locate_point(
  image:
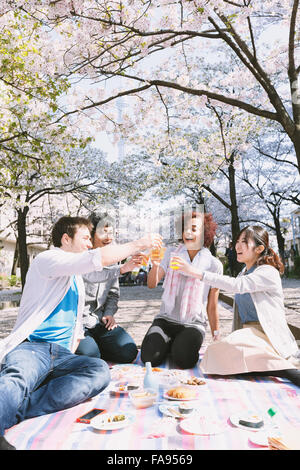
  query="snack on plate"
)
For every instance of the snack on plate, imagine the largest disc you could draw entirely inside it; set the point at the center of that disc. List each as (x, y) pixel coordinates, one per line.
(193, 381)
(276, 443)
(288, 441)
(116, 418)
(132, 386)
(252, 421)
(181, 392)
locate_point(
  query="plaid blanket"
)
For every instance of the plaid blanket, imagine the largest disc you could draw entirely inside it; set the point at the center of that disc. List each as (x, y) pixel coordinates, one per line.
(219, 400)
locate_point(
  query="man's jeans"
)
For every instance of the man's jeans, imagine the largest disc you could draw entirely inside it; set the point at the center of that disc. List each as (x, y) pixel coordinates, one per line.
(41, 378)
(114, 345)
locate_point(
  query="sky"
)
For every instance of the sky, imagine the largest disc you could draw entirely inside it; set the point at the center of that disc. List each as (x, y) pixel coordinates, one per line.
(105, 143)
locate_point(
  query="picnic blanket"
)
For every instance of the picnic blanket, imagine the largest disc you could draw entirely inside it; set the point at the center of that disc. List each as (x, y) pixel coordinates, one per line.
(219, 400)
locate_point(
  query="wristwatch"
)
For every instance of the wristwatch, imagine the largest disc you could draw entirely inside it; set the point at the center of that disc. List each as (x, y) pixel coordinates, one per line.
(216, 334)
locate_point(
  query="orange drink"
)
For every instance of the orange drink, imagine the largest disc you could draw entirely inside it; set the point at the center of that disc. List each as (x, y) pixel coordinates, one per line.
(145, 259)
(157, 254)
(173, 265)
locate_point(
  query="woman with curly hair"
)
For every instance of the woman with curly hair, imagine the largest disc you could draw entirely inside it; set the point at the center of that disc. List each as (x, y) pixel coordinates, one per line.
(261, 343)
(187, 303)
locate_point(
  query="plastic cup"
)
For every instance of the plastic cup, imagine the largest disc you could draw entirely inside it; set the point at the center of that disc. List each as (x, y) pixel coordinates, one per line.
(173, 265)
(145, 259)
(157, 254)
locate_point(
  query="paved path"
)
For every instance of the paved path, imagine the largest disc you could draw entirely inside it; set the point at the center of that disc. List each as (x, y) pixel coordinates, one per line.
(138, 305)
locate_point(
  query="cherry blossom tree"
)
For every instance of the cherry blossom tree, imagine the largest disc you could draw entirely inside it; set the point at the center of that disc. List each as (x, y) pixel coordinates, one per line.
(254, 182)
(170, 59)
(154, 52)
(159, 47)
(32, 143)
(28, 97)
(79, 171)
(225, 139)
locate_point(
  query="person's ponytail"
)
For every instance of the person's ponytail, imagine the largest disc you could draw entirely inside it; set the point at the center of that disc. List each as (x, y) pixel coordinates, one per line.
(268, 256)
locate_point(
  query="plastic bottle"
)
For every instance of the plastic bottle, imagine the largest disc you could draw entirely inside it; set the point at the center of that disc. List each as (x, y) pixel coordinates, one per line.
(149, 379)
(288, 433)
(276, 420)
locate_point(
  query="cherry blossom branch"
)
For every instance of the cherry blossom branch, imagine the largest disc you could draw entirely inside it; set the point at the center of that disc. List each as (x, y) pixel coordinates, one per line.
(16, 136)
(53, 190)
(252, 38)
(275, 158)
(102, 102)
(192, 91)
(254, 67)
(215, 195)
(260, 220)
(221, 129)
(21, 154)
(166, 108)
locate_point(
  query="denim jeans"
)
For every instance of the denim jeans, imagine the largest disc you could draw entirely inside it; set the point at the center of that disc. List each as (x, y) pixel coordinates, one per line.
(112, 345)
(41, 378)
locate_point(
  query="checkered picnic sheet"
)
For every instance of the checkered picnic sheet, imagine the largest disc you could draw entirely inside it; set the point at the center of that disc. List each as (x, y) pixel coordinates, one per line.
(219, 399)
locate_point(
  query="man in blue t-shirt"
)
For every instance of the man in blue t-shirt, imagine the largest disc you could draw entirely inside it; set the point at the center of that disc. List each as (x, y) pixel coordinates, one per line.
(59, 325)
(40, 373)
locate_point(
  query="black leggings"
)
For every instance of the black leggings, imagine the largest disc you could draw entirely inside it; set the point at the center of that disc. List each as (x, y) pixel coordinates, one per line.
(181, 342)
(291, 374)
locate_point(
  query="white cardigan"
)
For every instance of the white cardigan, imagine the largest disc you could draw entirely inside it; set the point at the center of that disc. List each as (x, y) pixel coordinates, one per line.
(265, 288)
(48, 280)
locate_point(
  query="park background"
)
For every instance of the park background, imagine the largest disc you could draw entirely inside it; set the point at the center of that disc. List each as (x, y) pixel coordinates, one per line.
(154, 105)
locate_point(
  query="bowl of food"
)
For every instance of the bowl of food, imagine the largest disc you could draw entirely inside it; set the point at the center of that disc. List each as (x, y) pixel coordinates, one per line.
(185, 408)
(143, 398)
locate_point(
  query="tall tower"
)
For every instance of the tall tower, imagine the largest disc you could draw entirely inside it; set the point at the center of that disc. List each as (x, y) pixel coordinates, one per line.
(120, 106)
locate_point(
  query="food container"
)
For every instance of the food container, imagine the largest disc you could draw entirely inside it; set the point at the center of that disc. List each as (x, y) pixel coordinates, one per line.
(143, 398)
(185, 408)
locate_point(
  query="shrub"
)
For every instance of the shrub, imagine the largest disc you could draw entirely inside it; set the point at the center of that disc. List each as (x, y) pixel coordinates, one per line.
(297, 265)
(12, 280)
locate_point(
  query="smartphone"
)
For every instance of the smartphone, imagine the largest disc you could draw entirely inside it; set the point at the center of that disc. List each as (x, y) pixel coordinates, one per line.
(86, 418)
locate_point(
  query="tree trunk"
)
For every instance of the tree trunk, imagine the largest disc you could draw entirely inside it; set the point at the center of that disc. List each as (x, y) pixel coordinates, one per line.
(296, 141)
(235, 223)
(16, 259)
(279, 236)
(22, 243)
